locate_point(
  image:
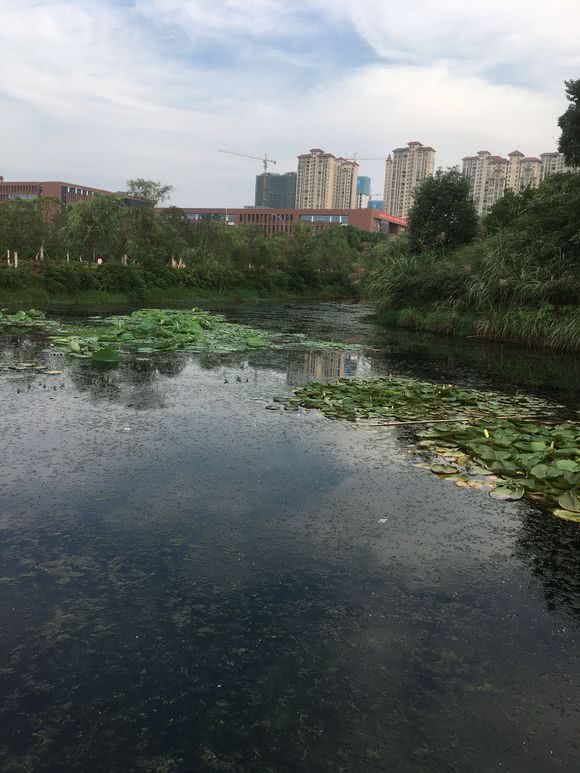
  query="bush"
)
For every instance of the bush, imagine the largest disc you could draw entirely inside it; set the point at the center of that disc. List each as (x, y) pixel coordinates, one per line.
(117, 277)
(69, 277)
(15, 279)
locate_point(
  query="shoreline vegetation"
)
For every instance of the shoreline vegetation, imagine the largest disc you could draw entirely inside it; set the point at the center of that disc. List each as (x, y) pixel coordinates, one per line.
(98, 251)
(39, 298)
(514, 277)
(511, 276)
(533, 328)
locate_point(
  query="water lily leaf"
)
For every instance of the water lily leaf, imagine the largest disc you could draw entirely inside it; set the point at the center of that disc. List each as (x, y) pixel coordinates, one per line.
(507, 494)
(544, 471)
(444, 469)
(570, 501)
(567, 465)
(477, 470)
(566, 515)
(485, 453)
(107, 354)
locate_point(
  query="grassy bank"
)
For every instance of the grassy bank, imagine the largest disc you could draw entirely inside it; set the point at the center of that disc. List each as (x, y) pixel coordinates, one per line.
(545, 327)
(40, 298)
(515, 279)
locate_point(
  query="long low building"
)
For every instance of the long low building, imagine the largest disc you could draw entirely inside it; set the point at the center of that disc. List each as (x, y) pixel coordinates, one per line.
(278, 221)
(66, 193)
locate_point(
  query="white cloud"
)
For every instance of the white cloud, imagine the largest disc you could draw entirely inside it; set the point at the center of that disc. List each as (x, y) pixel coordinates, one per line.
(205, 18)
(99, 93)
(534, 38)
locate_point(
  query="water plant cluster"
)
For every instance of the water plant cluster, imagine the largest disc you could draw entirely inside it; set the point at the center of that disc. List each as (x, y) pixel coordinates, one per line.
(516, 446)
(152, 330)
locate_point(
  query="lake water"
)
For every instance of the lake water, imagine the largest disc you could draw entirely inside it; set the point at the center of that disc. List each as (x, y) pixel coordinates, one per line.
(191, 582)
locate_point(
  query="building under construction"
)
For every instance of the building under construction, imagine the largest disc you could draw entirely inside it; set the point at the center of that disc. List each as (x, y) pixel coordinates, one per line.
(275, 190)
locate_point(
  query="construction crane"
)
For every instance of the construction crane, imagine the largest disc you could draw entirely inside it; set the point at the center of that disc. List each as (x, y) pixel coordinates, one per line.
(265, 160)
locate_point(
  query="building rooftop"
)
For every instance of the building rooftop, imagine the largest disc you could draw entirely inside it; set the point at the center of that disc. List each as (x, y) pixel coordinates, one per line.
(516, 153)
(531, 158)
(52, 182)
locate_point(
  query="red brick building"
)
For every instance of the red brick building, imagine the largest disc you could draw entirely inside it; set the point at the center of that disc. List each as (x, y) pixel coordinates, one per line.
(66, 193)
(276, 221)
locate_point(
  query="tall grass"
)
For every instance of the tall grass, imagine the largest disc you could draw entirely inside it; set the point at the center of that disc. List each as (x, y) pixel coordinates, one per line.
(530, 327)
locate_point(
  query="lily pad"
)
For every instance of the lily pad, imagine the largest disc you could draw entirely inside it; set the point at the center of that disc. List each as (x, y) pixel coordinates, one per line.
(444, 469)
(570, 501)
(107, 355)
(566, 515)
(507, 494)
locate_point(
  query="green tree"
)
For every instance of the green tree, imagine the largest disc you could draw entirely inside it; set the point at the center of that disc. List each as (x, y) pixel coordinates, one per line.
(151, 190)
(92, 227)
(141, 234)
(569, 123)
(26, 225)
(507, 209)
(443, 216)
(176, 231)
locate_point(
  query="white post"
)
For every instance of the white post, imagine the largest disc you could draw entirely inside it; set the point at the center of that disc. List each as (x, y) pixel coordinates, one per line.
(15, 260)
(42, 252)
(8, 257)
(67, 258)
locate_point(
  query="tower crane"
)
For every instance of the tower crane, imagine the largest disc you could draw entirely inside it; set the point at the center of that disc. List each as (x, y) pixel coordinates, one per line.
(265, 160)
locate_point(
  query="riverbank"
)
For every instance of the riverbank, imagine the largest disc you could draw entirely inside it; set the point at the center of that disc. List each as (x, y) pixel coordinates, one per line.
(40, 298)
(540, 328)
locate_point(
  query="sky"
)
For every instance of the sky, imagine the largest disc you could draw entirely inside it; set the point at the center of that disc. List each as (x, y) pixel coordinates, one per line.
(99, 91)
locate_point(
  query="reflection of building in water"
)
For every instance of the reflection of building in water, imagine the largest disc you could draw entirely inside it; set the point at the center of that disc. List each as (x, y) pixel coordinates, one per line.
(325, 365)
(357, 365)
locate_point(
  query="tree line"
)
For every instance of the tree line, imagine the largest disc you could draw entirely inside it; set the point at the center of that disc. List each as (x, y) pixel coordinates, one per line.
(212, 255)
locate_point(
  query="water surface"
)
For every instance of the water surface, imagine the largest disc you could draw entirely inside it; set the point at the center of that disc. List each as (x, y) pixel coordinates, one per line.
(191, 582)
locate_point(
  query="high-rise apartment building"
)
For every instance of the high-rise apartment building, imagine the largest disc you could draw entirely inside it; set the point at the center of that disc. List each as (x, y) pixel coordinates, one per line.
(345, 184)
(363, 192)
(523, 171)
(491, 176)
(555, 163)
(326, 182)
(276, 190)
(488, 177)
(315, 186)
(405, 168)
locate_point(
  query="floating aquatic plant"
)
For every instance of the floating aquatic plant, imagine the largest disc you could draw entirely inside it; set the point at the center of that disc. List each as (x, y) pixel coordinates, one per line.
(517, 444)
(155, 330)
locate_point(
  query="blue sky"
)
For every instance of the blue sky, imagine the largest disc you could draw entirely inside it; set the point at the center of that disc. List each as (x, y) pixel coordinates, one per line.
(97, 91)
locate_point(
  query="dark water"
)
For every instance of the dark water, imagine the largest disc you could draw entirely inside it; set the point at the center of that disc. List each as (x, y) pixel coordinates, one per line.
(191, 582)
